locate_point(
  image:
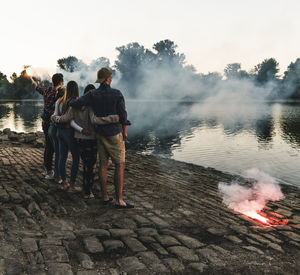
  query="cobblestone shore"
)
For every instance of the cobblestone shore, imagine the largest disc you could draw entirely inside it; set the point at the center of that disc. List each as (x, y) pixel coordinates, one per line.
(178, 226)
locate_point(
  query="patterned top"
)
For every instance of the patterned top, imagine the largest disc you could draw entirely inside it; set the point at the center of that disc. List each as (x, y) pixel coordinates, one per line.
(49, 95)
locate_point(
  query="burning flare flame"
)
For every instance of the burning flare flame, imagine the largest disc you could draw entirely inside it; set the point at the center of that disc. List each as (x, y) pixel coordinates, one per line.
(254, 215)
(28, 72)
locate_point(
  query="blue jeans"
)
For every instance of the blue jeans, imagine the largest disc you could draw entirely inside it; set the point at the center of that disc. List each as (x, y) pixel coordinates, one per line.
(52, 132)
(66, 143)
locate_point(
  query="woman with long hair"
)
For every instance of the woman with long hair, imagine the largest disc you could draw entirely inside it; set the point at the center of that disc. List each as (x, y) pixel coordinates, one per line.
(66, 140)
(81, 120)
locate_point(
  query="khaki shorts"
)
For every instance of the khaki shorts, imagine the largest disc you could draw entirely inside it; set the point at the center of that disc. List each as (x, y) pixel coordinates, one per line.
(112, 146)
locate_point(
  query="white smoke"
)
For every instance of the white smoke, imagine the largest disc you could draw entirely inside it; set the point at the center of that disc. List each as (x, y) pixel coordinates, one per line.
(159, 89)
(251, 199)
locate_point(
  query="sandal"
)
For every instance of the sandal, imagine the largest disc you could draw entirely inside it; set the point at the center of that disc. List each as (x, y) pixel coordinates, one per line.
(90, 196)
(74, 189)
(65, 185)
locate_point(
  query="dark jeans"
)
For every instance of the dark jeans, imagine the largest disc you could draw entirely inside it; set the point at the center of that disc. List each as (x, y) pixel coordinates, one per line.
(66, 143)
(49, 150)
(88, 153)
(52, 132)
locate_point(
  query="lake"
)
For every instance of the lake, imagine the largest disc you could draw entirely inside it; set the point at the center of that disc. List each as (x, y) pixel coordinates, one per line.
(265, 137)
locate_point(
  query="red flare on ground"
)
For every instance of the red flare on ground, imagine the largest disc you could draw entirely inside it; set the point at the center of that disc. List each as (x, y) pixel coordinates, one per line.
(267, 218)
(256, 216)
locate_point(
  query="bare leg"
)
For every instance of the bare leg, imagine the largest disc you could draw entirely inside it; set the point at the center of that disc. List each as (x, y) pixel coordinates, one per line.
(119, 181)
(103, 179)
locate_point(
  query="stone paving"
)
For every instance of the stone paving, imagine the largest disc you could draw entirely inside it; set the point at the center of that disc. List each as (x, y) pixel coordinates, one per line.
(178, 226)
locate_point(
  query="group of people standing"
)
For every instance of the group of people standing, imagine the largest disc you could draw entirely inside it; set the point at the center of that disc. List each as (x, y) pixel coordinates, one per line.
(84, 126)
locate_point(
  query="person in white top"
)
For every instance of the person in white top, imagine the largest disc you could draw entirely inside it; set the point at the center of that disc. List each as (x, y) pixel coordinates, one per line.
(66, 140)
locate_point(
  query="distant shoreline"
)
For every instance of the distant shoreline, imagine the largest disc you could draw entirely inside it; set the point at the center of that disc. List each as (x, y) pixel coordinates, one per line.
(19, 100)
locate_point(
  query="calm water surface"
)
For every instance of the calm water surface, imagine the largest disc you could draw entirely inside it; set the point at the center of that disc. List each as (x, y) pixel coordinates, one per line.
(269, 141)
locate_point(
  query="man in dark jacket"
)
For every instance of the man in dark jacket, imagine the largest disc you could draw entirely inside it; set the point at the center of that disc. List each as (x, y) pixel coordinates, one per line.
(110, 137)
(49, 95)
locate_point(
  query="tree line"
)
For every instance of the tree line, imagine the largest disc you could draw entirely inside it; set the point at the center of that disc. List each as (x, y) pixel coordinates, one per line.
(135, 64)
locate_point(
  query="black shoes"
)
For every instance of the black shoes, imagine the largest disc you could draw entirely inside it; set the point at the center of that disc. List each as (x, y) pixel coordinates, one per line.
(127, 206)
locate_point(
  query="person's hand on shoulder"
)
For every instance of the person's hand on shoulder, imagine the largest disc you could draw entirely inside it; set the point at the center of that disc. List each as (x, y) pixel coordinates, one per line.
(85, 132)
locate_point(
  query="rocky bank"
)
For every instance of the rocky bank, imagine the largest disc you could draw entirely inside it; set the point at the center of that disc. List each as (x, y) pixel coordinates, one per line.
(178, 226)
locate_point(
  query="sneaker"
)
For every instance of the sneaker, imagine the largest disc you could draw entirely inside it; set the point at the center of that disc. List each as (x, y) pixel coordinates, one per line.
(58, 179)
(50, 176)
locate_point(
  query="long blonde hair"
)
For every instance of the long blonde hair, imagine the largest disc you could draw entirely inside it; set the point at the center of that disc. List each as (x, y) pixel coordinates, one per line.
(71, 91)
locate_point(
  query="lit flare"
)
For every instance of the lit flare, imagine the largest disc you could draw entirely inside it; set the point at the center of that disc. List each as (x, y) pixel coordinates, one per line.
(254, 215)
(29, 74)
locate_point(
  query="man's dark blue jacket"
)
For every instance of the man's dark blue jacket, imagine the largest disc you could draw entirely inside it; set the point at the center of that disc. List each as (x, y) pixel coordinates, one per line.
(105, 101)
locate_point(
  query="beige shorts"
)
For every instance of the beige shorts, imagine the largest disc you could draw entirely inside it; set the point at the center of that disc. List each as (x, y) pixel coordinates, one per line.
(111, 147)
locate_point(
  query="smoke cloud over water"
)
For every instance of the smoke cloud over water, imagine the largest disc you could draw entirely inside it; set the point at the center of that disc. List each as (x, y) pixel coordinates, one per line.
(229, 102)
(175, 92)
(250, 200)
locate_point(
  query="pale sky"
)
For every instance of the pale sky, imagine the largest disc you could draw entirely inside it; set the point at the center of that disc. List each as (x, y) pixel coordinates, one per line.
(211, 33)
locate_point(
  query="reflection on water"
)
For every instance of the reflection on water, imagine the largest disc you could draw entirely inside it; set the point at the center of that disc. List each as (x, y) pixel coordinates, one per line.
(268, 139)
(290, 124)
(21, 116)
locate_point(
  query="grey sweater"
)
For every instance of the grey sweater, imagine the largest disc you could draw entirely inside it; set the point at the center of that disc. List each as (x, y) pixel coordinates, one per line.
(84, 117)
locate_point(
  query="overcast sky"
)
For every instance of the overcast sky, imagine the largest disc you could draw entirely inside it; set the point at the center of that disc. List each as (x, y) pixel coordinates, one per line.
(211, 33)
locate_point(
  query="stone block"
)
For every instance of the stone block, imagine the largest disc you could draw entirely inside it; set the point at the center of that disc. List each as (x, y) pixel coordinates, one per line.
(148, 257)
(59, 269)
(146, 239)
(6, 131)
(111, 245)
(253, 249)
(4, 197)
(85, 260)
(159, 222)
(184, 253)
(29, 138)
(147, 231)
(233, 239)
(197, 267)
(93, 245)
(117, 233)
(159, 249)
(101, 233)
(21, 211)
(130, 264)
(133, 244)
(188, 241)
(291, 235)
(29, 245)
(49, 242)
(141, 220)
(55, 254)
(166, 240)
(212, 256)
(8, 215)
(218, 231)
(62, 235)
(174, 264)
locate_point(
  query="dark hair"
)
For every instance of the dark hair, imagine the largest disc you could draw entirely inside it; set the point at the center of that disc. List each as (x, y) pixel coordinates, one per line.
(88, 88)
(72, 91)
(60, 92)
(57, 78)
